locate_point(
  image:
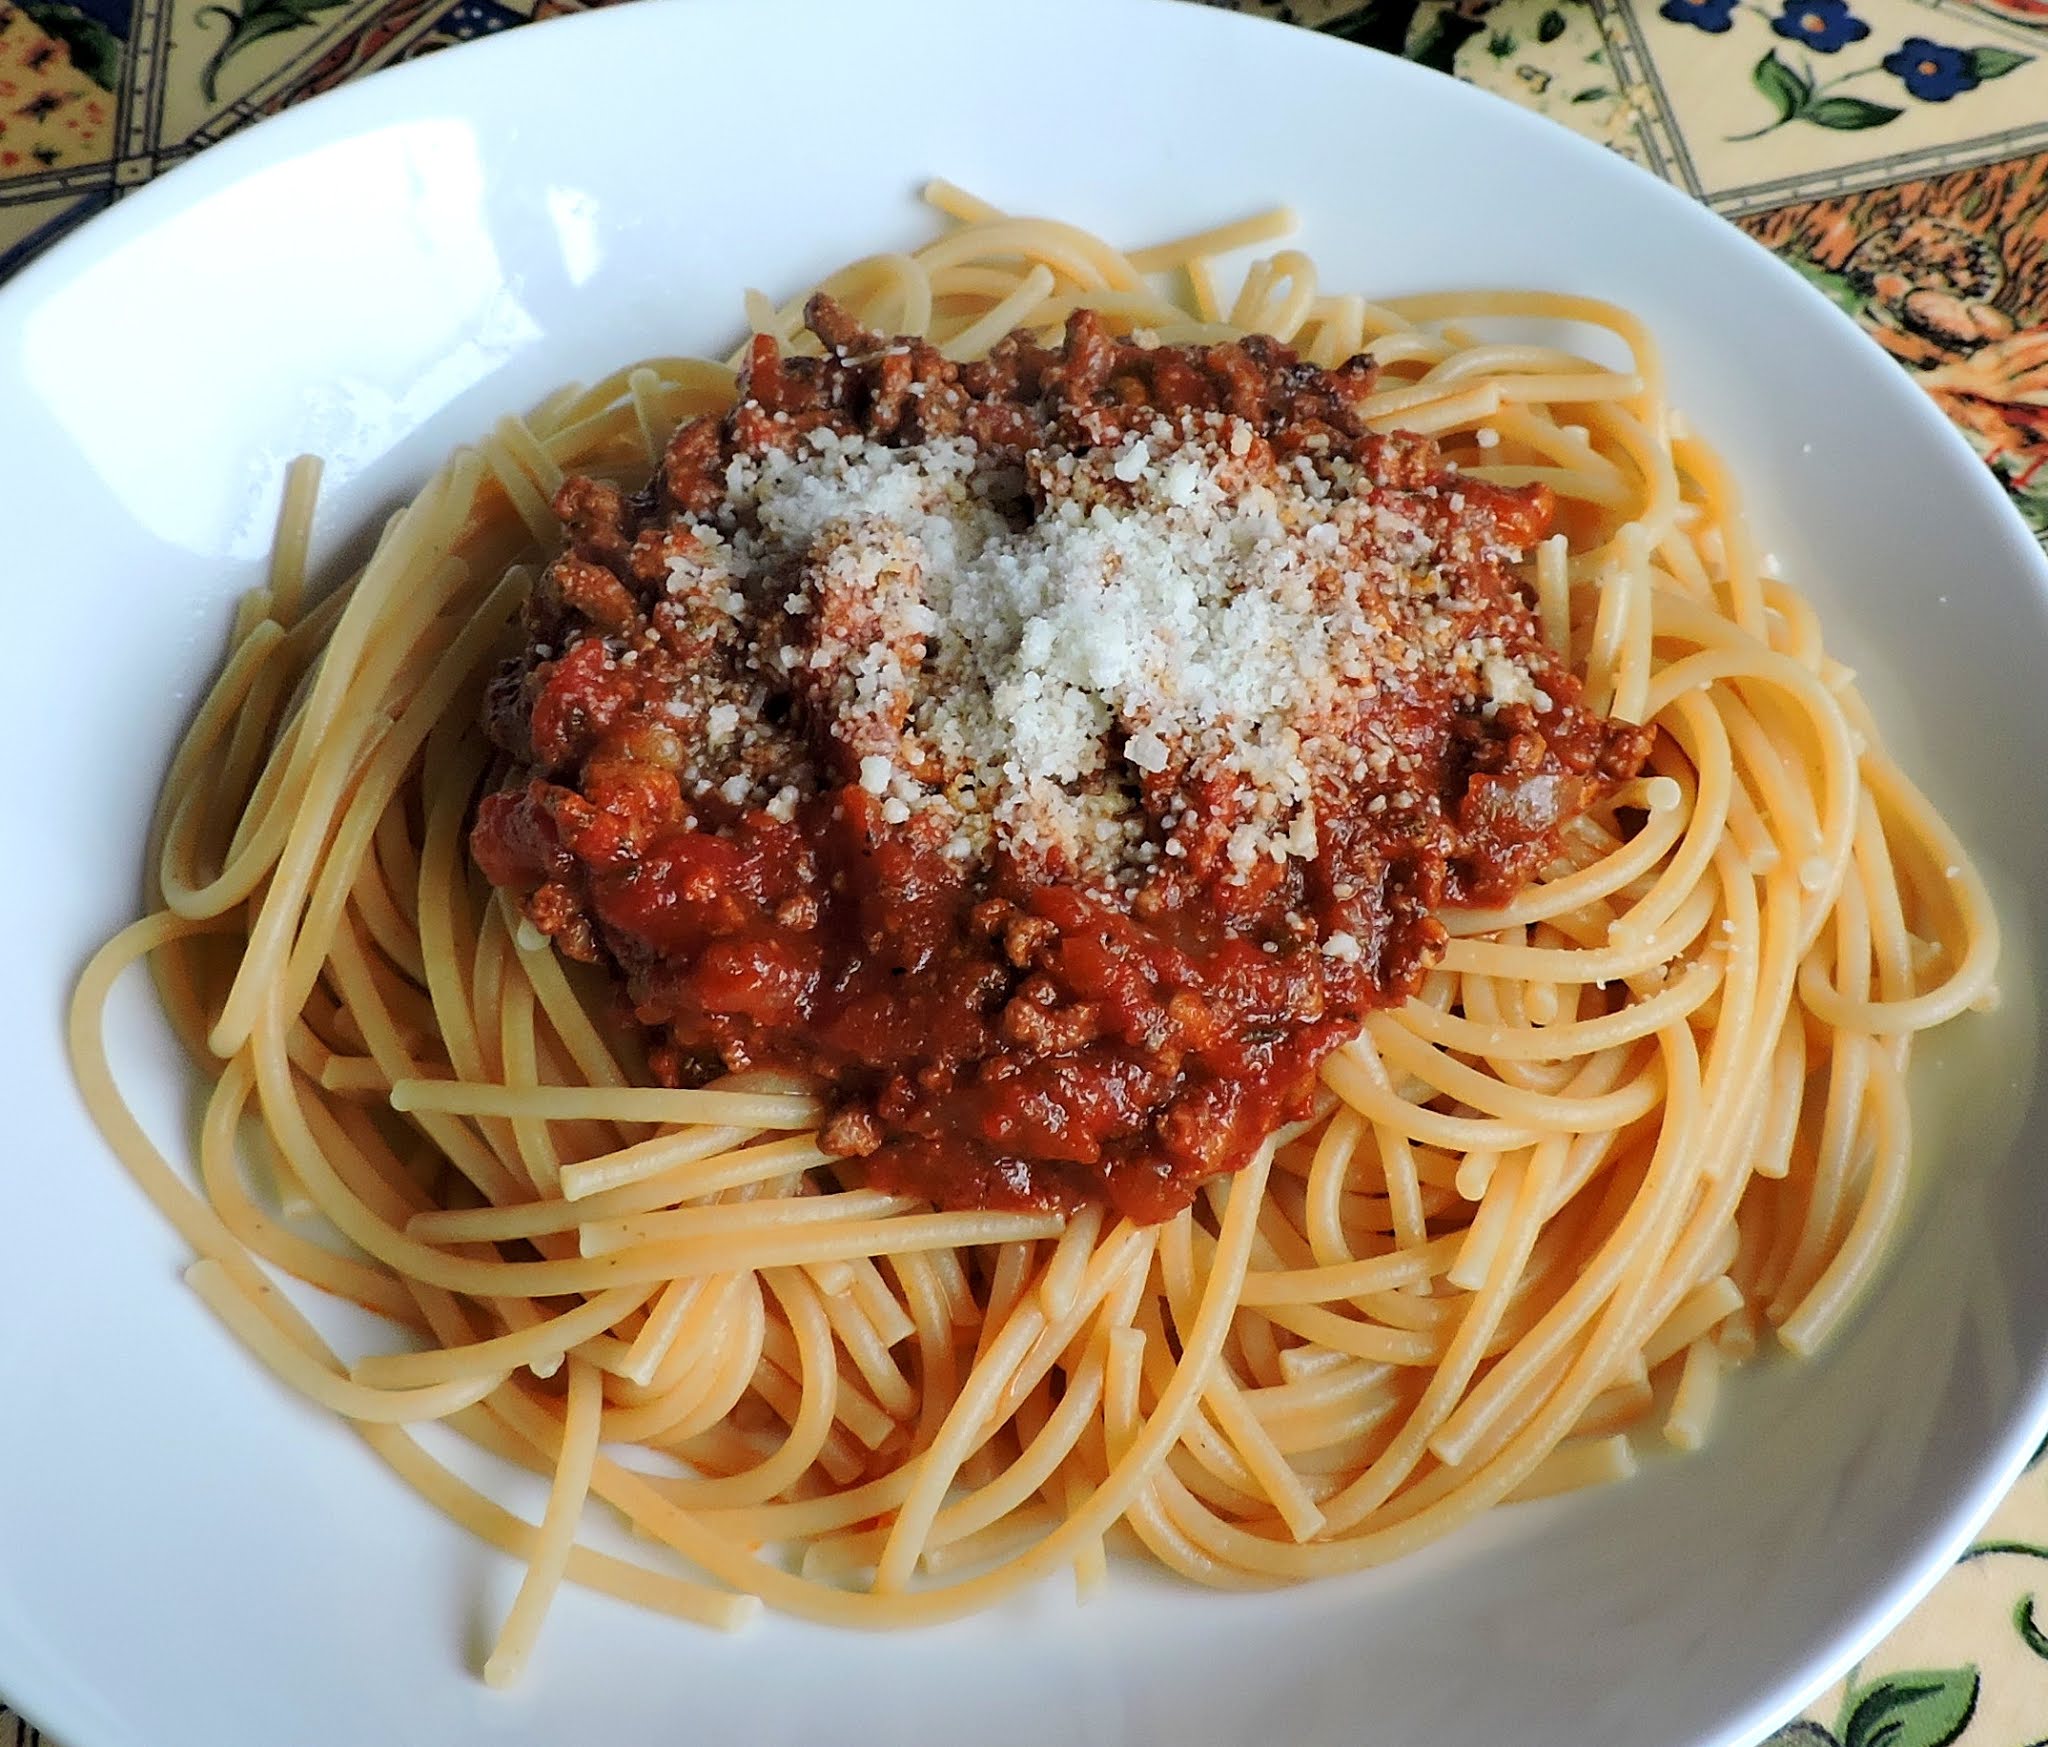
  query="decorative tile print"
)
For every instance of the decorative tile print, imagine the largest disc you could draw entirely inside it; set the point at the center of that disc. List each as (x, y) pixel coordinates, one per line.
(240, 31)
(28, 227)
(226, 57)
(1548, 55)
(60, 71)
(1777, 99)
(64, 70)
(1969, 1668)
(387, 34)
(1950, 276)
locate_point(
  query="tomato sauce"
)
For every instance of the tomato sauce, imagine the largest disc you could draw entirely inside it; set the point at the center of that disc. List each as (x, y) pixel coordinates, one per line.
(996, 1026)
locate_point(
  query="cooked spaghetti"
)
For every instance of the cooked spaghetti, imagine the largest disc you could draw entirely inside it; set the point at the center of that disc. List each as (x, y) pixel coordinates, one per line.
(1617, 1088)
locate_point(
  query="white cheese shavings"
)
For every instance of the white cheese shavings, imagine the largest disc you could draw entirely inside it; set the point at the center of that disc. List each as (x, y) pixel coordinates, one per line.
(1147, 751)
(1034, 655)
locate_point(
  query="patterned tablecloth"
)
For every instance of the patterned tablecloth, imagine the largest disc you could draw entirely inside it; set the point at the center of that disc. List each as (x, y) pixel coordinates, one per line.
(1894, 151)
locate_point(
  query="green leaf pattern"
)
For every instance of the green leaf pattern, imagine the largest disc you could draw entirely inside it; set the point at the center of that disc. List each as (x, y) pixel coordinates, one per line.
(1794, 96)
(1848, 113)
(95, 50)
(1788, 92)
(1995, 63)
(2024, 1623)
(1923, 1708)
(257, 20)
(1920, 1707)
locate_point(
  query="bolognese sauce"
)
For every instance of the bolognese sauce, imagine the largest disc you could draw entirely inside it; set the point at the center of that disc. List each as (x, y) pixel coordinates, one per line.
(1055, 755)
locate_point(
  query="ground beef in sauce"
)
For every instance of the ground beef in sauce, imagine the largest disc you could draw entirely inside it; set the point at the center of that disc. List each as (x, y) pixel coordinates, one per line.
(764, 743)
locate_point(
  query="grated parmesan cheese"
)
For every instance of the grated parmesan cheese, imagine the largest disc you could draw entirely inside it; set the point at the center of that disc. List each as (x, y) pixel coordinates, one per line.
(1035, 656)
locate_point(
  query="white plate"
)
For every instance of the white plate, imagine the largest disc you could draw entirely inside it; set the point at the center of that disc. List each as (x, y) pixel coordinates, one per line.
(188, 1558)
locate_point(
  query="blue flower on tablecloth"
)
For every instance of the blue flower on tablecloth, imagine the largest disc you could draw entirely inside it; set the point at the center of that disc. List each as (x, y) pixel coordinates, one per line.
(473, 18)
(1821, 25)
(1711, 15)
(1930, 72)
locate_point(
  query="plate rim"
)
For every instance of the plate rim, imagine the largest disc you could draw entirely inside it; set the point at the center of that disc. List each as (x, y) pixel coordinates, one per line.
(394, 93)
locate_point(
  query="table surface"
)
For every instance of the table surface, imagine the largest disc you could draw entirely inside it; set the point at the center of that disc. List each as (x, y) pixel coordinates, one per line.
(1894, 151)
